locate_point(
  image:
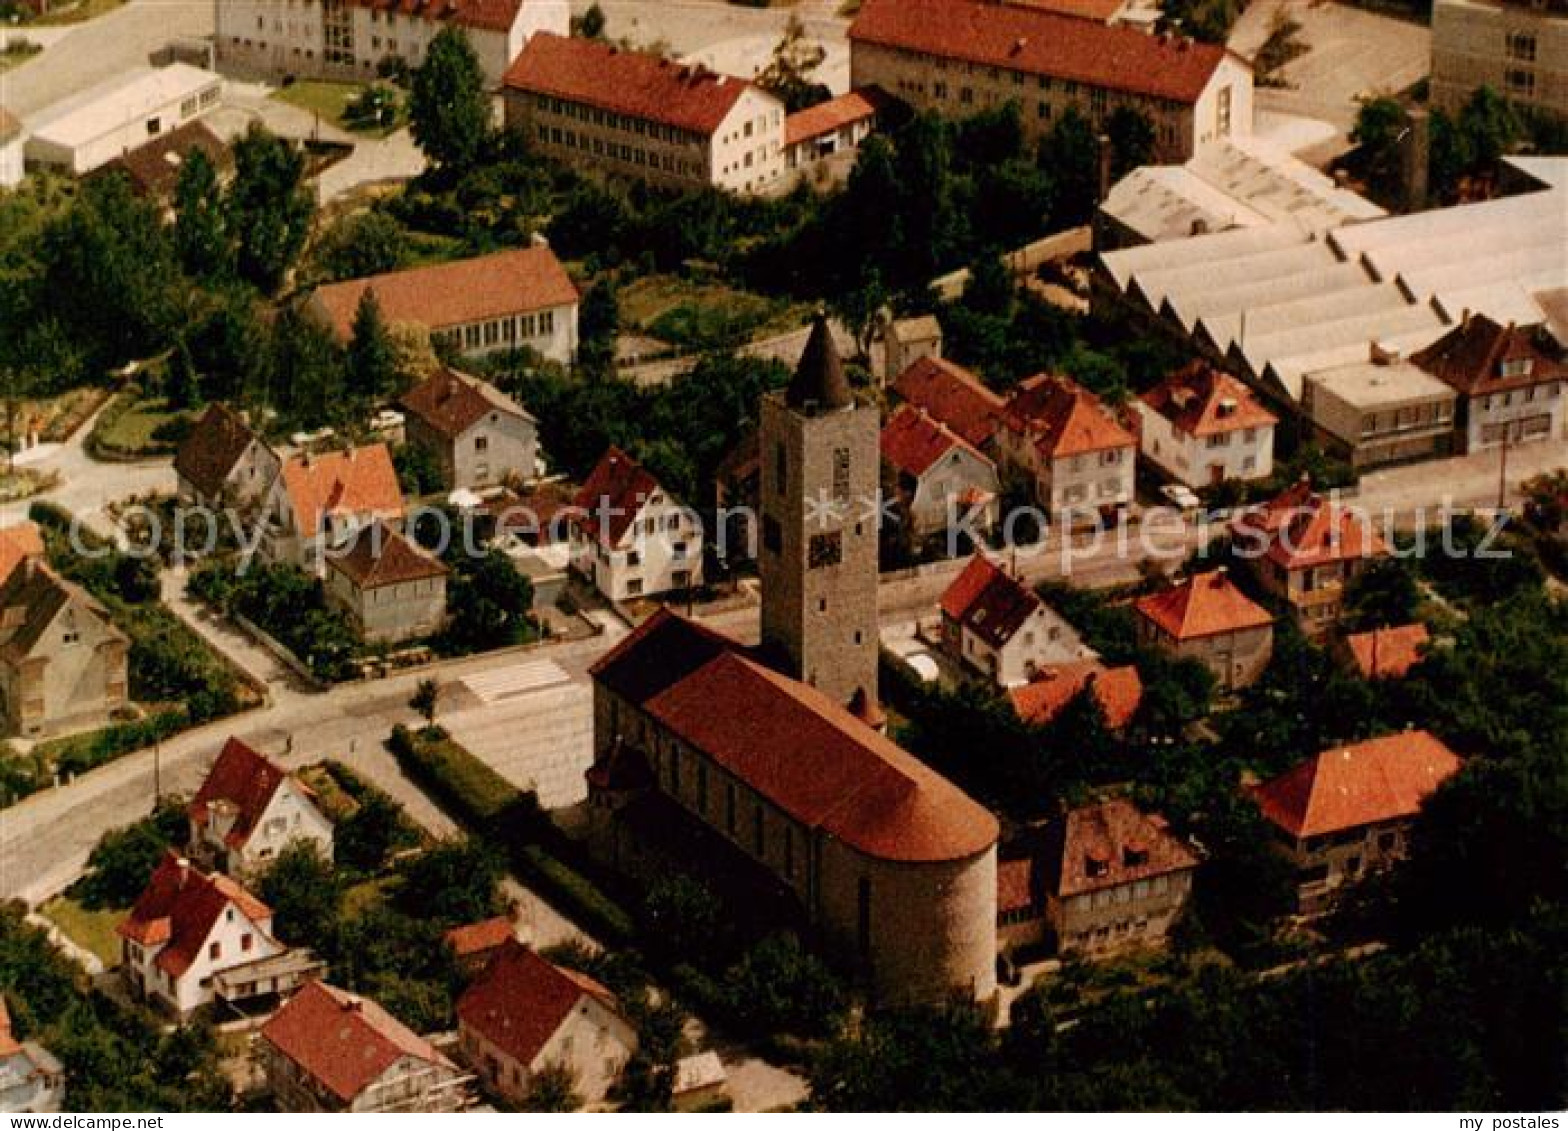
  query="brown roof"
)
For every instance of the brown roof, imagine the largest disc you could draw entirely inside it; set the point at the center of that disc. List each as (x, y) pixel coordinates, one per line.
(242, 779)
(1201, 401)
(1301, 528)
(1388, 653)
(913, 441)
(1206, 604)
(1063, 418)
(819, 381)
(358, 483)
(31, 597)
(617, 491)
(480, 938)
(521, 1001)
(154, 168)
(1101, 10)
(451, 402)
(17, 544)
(1382, 779)
(214, 446)
(178, 909)
(379, 556)
(1014, 885)
(836, 113)
(1110, 844)
(638, 84)
(343, 1041)
(1119, 691)
(1043, 43)
(1472, 357)
(443, 295)
(486, 15)
(989, 602)
(790, 743)
(953, 395)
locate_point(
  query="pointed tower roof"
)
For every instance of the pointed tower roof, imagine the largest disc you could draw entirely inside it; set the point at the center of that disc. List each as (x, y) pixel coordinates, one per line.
(819, 383)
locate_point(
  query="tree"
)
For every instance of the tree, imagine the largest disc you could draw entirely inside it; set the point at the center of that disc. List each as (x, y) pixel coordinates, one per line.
(788, 75)
(122, 862)
(779, 986)
(228, 346)
(365, 839)
(366, 243)
(590, 25)
(1070, 156)
(449, 111)
(1490, 127)
(201, 237)
(598, 323)
(418, 473)
(305, 370)
(861, 309)
(179, 383)
(1380, 127)
(427, 697)
(304, 893)
(269, 207)
(684, 918)
(372, 358)
(1383, 595)
(1132, 139)
(553, 1088)
(491, 603)
(455, 882)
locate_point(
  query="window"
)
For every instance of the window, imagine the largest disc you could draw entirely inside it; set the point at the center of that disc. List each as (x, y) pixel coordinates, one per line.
(215, 951)
(825, 550)
(841, 474)
(1222, 111)
(481, 443)
(1520, 45)
(634, 587)
(1520, 83)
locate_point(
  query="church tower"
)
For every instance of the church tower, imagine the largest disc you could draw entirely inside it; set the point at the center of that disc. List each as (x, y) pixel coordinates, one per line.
(821, 472)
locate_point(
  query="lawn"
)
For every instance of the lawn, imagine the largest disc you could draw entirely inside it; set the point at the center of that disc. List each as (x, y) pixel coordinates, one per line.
(704, 315)
(330, 101)
(76, 13)
(90, 930)
(144, 426)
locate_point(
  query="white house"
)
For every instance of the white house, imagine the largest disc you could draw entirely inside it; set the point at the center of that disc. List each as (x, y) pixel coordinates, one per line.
(941, 476)
(119, 115)
(476, 434)
(994, 624)
(1079, 459)
(1512, 381)
(249, 809)
(630, 537)
(391, 590)
(187, 929)
(320, 499)
(1202, 426)
(223, 463)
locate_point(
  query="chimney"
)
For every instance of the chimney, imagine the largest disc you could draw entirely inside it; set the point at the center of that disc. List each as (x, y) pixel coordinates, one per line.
(1415, 154)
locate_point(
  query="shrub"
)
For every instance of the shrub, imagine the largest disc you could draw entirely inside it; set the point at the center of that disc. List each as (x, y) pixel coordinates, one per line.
(465, 786)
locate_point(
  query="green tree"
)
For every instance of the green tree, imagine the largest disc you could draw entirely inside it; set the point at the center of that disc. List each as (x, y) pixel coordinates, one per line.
(684, 919)
(305, 370)
(455, 882)
(371, 356)
(1070, 156)
(598, 323)
(366, 243)
(789, 75)
(427, 698)
(861, 308)
(1380, 128)
(365, 839)
(491, 603)
(269, 207)
(449, 111)
(1383, 595)
(418, 473)
(779, 986)
(124, 859)
(1132, 139)
(228, 346)
(304, 893)
(201, 236)
(179, 383)
(1490, 126)
(590, 25)
(553, 1088)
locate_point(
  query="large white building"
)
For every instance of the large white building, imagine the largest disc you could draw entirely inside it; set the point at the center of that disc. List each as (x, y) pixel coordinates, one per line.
(119, 115)
(351, 39)
(1519, 48)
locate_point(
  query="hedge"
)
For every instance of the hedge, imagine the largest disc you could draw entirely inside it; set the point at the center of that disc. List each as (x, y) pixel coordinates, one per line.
(474, 793)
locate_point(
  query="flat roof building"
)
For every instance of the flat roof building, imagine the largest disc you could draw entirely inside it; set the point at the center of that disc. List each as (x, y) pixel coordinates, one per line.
(120, 115)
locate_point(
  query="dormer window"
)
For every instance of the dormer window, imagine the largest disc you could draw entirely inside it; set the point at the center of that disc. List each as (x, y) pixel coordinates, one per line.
(1094, 866)
(1135, 857)
(1516, 366)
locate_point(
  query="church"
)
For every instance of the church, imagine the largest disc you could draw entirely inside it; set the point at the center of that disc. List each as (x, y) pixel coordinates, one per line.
(777, 751)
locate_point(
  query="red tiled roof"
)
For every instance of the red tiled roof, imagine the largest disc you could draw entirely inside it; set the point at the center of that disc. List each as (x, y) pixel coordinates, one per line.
(17, 544)
(154, 168)
(834, 114)
(1203, 605)
(360, 483)
(215, 445)
(1101, 10)
(521, 1001)
(451, 402)
(1201, 401)
(9, 1045)
(379, 556)
(1382, 779)
(479, 938)
(913, 441)
(343, 1041)
(179, 908)
(635, 83)
(656, 655)
(1301, 528)
(443, 295)
(1388, 653)
(1110, 844)
(1041, 42)
(953, 395)
(1014, 885)
(988, 601)
(243, 779)
(485, 15)
(1119, 691)
(617, 491)
(1472, 355)
(1063, 418)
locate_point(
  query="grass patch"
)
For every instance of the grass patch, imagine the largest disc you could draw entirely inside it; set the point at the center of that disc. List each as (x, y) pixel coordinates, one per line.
(331, 101)
(91, 930)
(76, 14)
(139, 426)
(701, 315)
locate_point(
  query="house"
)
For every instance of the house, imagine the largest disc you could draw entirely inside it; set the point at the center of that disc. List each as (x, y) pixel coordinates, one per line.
(941, 476)
(1512, 381)
(1518, 48)
(119, 114)
(62, 659)
(1080, 461)
(31, 1079)
(249, 809)
(507, 300)
(13, 141)
(474, 945)
(1207, 618)
(1119, 692)
(1345, 813)
(356, 40)
(1388, 653)
(630, 537)
(1380, 410)
(638, 116)
(524, 1015)
(391, 590)
(320, 499)
(960, 57)
(1202, 426)
(829, 128)
(1306, 548)
(222, 463)
(950, 393)
(328, 1050)
(19, 543)
(996, 625)
(476, 434)
(906, 341)
(154, 169)
(891, 863)
(193, 937)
